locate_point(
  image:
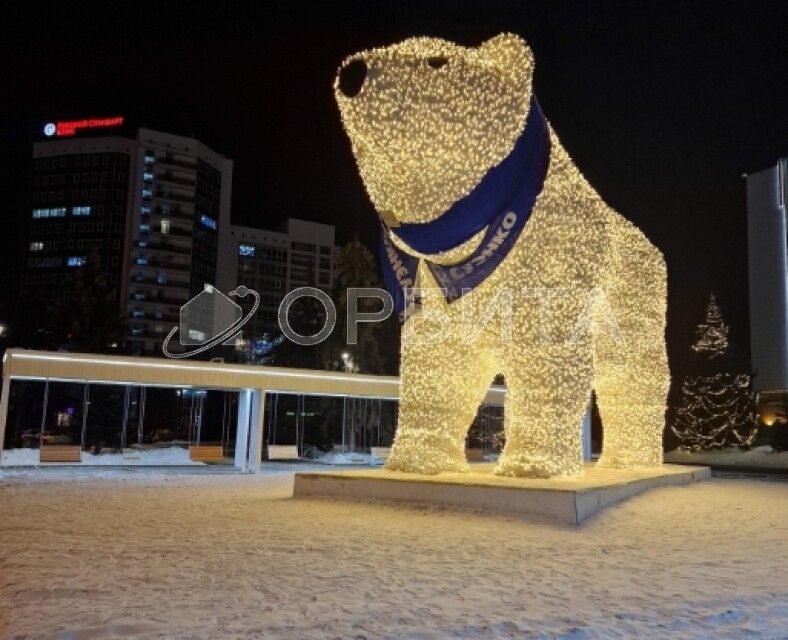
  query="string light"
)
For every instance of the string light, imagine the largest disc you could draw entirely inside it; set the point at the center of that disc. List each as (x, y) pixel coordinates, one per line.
(717, 410)
(424, 135)
(712, 334)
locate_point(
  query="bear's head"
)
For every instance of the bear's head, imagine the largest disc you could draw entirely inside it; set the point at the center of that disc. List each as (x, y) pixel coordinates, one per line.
(428, 118)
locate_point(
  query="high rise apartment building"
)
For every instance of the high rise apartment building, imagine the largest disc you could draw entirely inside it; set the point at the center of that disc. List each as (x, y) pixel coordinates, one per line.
(148, 207)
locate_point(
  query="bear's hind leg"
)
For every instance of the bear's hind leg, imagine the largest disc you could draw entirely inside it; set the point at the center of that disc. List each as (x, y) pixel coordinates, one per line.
(631, 376)
(631, 388)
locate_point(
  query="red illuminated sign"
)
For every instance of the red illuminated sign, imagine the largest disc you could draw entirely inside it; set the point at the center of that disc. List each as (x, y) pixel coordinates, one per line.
(70, 127)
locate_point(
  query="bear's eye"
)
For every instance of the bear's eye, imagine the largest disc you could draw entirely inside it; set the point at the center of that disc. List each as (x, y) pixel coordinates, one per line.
(436, 62)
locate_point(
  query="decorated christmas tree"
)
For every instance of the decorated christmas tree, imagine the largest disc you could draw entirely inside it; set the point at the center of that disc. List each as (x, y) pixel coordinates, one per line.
(716, 410)
(712, 335)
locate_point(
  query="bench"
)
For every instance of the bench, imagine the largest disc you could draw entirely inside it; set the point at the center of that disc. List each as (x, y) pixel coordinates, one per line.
(474, 455)
(206, 453)
(380, 453)
(60, 453)
(282, 452)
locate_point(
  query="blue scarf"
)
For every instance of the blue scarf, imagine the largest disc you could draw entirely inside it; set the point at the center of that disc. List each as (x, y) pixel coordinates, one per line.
(502, 202)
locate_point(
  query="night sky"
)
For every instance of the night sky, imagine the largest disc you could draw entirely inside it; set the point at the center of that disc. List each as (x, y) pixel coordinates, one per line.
(663, 105)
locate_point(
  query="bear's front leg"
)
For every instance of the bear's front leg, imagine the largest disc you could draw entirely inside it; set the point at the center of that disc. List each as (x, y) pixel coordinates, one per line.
(547, 395)
(442, 386)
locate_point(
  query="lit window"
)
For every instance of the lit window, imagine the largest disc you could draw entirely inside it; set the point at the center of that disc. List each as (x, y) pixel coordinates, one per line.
(145, 210)
(138, 313)
(147, 193)
(144, 227)
(147, 176)
(44, 262)
(36, 246)
(76, 261)
(141, 260)
(57, 212)
(80, 211)
(246, 250)
(149, 158)
(208, 221)
(165, 226)
(161, 277)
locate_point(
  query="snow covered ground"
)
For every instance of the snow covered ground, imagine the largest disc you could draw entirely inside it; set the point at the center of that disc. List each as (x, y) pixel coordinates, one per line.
(144, 553)
(338, 457)
(164, 456)
(758, 457)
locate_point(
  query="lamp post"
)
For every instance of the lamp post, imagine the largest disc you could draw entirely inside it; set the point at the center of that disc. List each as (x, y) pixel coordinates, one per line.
(347, 359)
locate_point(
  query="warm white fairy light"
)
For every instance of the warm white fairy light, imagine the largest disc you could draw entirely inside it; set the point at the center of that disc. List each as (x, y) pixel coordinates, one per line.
(716, 410)
(712, 334)
(429, 121)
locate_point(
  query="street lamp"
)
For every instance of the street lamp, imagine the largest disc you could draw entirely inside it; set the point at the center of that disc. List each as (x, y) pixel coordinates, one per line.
(348, 361)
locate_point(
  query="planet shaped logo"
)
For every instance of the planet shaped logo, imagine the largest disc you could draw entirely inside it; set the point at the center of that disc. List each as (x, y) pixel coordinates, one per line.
(49, 129)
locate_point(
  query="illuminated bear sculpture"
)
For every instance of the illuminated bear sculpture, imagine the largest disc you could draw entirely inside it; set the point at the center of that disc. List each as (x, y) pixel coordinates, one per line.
(542, 281)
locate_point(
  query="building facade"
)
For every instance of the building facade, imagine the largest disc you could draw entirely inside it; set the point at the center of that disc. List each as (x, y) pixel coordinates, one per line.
(149, 207)
(181, 192)
(298, 254)
(768, 281)
(79, 201)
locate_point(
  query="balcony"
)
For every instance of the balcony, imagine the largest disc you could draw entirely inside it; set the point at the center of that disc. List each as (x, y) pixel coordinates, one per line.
(163, 246)
(182, 233)
(175, 214)
(171, 318)
(176, 163)
(163, 264)
(158, 297)
(175, 197)
(168, 177)
(174, 284)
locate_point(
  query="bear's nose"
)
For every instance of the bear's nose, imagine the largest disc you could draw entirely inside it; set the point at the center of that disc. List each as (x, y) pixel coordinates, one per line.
(351, 77)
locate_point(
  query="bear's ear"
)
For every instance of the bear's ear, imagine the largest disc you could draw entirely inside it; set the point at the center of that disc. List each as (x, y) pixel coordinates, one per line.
(510, 54)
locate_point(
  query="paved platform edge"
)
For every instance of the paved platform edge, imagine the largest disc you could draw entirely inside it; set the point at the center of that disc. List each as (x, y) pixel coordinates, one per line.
(562, 504)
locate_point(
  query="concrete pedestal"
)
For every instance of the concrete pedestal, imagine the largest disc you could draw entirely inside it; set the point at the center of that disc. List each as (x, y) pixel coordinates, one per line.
(566, 500)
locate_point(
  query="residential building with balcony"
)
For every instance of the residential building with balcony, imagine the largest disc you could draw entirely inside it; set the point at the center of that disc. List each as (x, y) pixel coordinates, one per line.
(150, 206)
(182, 191)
